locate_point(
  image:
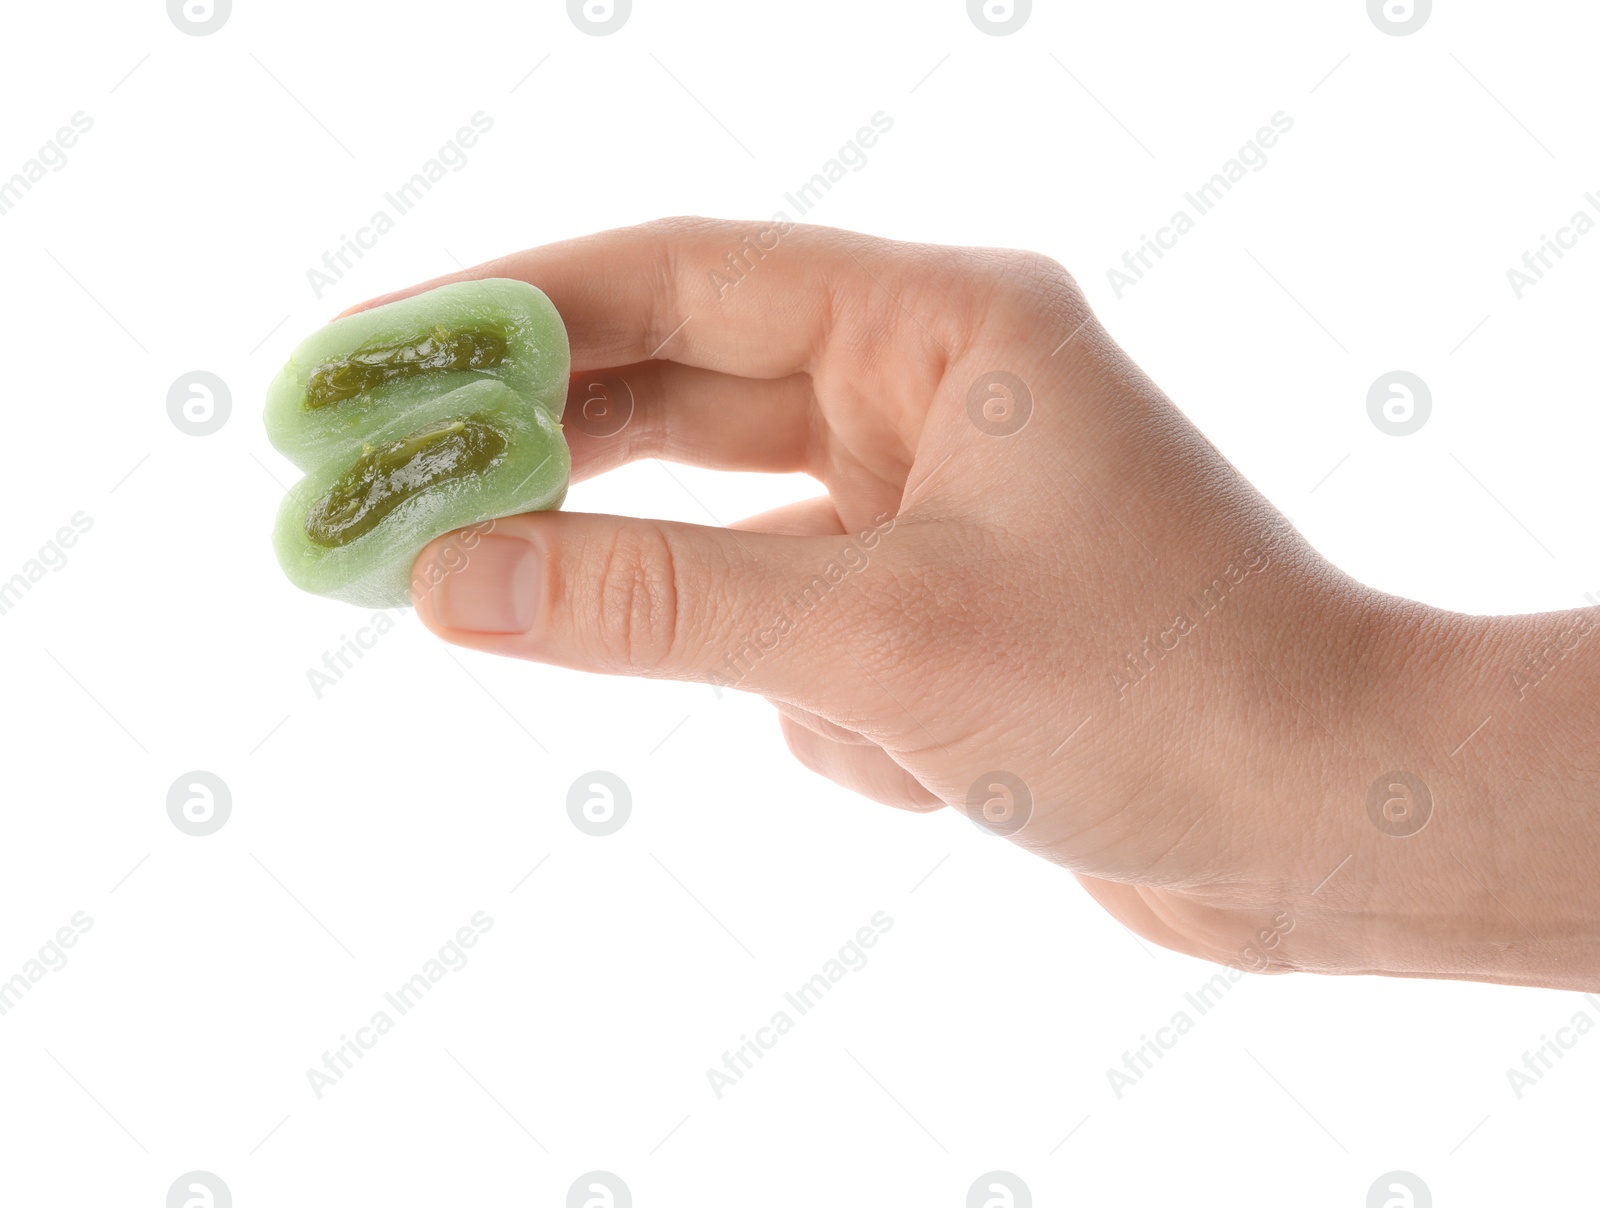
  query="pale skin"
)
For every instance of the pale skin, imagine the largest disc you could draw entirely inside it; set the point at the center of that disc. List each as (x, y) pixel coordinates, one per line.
(1013, 604)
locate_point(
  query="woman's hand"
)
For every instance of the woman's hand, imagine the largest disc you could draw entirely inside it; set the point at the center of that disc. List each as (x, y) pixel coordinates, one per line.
(1035, 592)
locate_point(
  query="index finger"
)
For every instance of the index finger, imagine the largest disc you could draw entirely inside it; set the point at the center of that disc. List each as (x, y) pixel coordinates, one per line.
(671, 290)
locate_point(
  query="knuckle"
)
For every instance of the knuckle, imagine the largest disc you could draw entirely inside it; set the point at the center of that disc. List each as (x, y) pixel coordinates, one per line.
(637, 597)
(1052, 270)
(1029, 287)
(1035, 281)
(1040, 272)
(680, 224)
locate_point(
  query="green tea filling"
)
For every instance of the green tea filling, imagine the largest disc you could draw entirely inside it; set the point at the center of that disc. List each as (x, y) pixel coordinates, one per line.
(335, 381)
(387, 475)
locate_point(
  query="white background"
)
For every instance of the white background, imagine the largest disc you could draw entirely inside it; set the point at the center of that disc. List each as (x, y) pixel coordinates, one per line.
(369, 824)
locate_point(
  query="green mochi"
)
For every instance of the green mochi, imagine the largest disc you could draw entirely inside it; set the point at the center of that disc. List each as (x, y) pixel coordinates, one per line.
(528, 473)
(433, 413)
(400, 355)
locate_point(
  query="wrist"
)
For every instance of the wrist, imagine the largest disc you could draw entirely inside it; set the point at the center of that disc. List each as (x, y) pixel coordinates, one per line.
(1462, 817)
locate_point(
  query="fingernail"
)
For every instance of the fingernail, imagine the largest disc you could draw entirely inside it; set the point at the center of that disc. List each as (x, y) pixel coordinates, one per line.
(493, 590)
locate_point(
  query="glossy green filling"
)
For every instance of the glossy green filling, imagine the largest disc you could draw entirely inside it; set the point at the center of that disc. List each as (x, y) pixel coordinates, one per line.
(387, 475)
(335, 381)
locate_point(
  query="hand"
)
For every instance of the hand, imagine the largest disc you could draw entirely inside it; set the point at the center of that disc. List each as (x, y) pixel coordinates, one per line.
(1035, 592)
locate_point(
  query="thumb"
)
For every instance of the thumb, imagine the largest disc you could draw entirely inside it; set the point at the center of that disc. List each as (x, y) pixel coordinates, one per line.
(639, 597)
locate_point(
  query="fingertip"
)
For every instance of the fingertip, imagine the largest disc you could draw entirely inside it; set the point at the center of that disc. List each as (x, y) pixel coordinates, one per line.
(380, 300)
(427, 572)
(398, 295)
(477, 587)
(467, 274)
